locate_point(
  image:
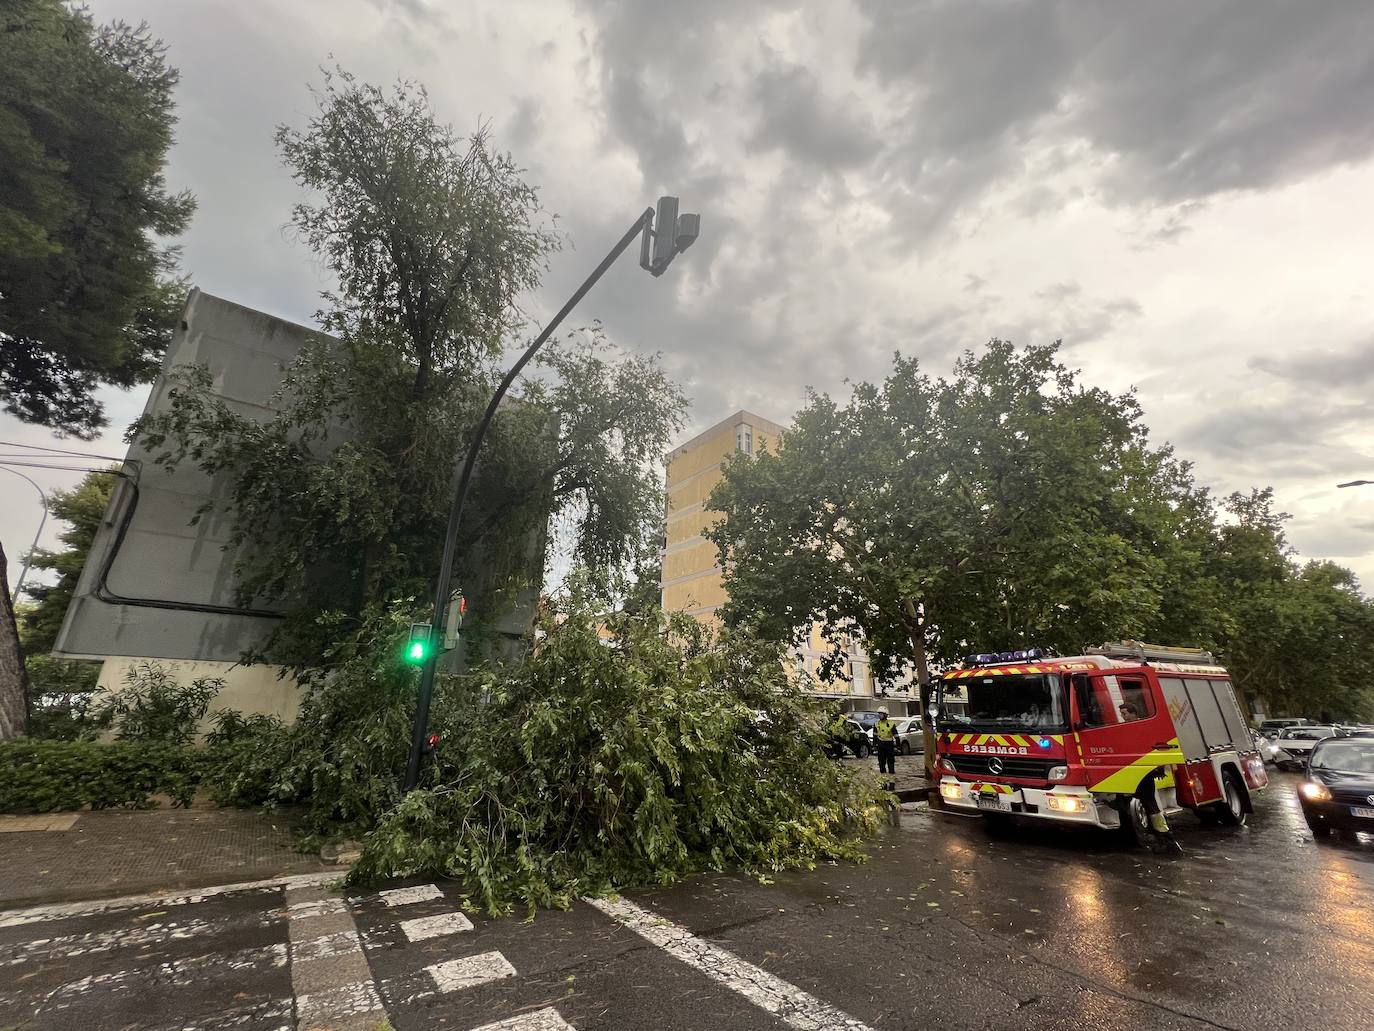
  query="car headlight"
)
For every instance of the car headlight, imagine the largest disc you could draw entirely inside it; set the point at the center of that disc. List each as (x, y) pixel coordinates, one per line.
(946, 765)
(950, 790)
(1315, 791)
(1059, 772)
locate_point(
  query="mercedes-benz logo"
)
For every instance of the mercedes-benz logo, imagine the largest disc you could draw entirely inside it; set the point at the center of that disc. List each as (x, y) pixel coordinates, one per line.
(995, 766)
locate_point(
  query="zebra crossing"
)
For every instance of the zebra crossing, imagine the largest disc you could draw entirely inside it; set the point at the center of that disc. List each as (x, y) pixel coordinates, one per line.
(297, 955)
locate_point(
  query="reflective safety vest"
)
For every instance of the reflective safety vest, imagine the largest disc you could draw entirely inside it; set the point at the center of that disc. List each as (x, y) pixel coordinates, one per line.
(885, 730)
(840, 727)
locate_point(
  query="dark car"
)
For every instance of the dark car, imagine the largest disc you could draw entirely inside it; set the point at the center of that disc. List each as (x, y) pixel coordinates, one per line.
(1339, 789)
(856, 741)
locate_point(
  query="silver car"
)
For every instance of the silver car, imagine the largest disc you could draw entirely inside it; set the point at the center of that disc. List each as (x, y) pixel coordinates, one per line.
(1295, 744)
(910, 737)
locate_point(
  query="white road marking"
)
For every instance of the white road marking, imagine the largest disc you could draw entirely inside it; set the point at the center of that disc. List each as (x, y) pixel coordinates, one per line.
(332, 1004)
(326, 946)
(172, 972)
(432, 926)
(65, 910)
(407, 896)
(470, 971)
(319, 907)
(69, 945)
(540, 1020)
(795, 1007)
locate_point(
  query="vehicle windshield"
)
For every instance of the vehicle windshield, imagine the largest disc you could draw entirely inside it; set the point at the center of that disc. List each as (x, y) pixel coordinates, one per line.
(1346, 756)
(1289, 733)
(1032, 701)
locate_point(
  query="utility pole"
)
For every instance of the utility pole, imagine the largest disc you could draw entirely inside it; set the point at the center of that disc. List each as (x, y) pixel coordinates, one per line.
(662, 238)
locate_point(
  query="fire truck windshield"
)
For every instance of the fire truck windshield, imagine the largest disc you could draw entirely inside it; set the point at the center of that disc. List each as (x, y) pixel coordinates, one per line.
(1024, 701)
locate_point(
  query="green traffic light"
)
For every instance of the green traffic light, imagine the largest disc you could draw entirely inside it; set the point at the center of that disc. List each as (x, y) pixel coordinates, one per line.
(417, 650)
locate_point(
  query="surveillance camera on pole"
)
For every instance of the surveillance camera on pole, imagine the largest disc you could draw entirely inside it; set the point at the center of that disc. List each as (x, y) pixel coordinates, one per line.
(669, 236)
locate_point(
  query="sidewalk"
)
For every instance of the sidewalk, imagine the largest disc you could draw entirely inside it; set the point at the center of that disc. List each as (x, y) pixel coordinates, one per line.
(911, 783)
(66, 857)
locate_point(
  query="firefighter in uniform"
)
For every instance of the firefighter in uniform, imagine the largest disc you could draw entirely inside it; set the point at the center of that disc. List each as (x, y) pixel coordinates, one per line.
(885, 737)
(839, 735)
(1164, 840)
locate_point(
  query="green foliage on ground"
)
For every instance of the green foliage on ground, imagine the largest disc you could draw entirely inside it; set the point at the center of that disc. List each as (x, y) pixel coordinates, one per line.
(632, 751)
(86, 290)
(46, 776)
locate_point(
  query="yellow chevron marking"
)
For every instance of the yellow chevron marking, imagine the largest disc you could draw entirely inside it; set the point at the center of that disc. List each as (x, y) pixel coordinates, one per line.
(1128, 778)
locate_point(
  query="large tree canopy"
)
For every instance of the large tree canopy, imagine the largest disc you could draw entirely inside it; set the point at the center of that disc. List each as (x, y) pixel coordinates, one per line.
(1006, 506)
(340, 501)
(87, 294)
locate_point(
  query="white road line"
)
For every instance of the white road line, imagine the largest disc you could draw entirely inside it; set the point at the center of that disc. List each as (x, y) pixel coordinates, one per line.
(540, 1020)
(407, 896)
(425, 927)
(62, 911)
(319, 907)
(159, 933)
(326, 946)
(470, 971)
(334, 1004)
(795, 1007)
(172, 972)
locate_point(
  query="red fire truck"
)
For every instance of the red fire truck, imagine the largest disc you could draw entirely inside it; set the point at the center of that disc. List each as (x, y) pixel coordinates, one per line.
(1073, 739)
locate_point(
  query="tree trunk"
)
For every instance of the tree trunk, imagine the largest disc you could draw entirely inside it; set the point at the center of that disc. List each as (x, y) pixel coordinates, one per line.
(918, 652)
(14, 715)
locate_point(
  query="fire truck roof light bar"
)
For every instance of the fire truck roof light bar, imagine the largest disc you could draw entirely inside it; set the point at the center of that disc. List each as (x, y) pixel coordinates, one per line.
(997, 658)
(1152, 652)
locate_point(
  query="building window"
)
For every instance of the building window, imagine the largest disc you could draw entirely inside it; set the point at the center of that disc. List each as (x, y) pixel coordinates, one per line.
(744, 438)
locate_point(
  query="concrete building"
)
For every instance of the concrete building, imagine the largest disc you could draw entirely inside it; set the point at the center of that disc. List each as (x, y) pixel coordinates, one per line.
(159, 586)
(692, 578)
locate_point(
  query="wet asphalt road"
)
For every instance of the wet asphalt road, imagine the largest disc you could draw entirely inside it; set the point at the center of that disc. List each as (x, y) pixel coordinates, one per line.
(945, 927)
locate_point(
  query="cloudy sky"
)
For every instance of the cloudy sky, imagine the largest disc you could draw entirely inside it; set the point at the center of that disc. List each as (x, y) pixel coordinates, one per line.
(1183, 192)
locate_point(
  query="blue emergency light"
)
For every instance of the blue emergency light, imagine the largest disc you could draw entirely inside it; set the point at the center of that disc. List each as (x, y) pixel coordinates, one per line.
(993, 658)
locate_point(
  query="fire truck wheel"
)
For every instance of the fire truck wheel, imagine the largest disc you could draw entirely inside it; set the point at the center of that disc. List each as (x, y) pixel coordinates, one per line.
(1135, 822)
(1231, 812)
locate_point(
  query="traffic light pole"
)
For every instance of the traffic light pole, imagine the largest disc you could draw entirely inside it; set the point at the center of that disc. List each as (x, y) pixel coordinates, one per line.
(455, 513)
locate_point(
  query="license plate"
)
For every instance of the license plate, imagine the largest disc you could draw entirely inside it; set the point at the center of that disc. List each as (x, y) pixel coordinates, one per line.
(1356, 810)
(1002, 803)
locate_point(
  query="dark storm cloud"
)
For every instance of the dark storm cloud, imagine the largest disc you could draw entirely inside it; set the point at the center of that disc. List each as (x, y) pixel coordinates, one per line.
(794, 115)
(1351, 368)
(1182, 100)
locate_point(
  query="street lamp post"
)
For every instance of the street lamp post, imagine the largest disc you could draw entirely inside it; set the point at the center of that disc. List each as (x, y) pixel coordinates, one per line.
(19, 584)
(659, 244)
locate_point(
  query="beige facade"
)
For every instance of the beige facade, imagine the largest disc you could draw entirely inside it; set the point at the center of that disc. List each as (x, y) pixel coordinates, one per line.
(692, 578)
(249, 689)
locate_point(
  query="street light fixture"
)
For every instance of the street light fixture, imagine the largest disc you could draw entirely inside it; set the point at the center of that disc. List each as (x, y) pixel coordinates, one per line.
(1355, 483)
(661, 240)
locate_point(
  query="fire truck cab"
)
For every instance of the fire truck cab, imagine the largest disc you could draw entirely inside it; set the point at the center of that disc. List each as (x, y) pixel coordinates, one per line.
(1074, 738)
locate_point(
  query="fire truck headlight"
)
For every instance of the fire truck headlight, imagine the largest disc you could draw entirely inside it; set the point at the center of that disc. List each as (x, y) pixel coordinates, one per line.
(1059, 772)
(1316, 792)
(946, 765)
(1067, 803)
(950, 790)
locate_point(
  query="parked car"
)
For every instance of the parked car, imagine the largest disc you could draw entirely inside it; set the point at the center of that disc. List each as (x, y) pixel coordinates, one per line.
(865, 718)
(910, 737)
(1271, 728)
(1267, 749)
(1339, 789)
(1295, 744)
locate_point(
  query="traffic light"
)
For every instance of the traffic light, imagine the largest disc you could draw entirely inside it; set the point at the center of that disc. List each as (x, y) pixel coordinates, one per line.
(420, 644)
(457, 608)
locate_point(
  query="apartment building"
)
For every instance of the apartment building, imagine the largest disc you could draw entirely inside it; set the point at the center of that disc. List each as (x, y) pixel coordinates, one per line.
(692, 579)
